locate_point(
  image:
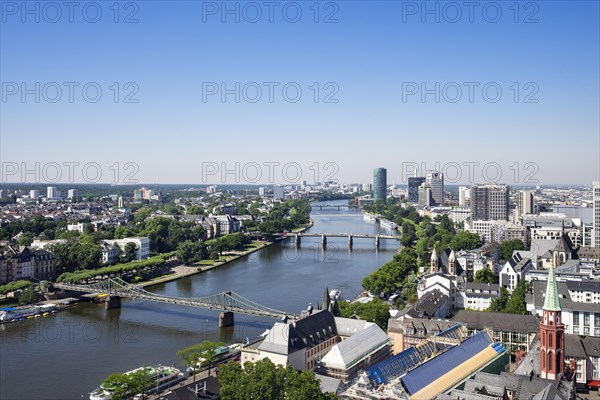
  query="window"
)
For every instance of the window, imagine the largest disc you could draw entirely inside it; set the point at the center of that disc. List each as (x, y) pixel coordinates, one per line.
(575, 318)
(586, 319)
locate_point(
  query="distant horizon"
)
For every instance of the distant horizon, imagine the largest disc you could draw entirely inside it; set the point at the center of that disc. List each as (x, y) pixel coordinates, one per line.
(350, 86)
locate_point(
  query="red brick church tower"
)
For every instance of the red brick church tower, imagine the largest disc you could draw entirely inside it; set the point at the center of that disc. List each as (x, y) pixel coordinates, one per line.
(552, 333)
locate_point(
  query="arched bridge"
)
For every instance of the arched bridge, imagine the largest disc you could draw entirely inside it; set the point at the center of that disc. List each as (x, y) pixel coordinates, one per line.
(298, 237)
(226, 302)
(337, 206)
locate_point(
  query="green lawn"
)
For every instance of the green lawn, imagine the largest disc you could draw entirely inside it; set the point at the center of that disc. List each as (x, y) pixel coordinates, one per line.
(205, 262)
(161, 277)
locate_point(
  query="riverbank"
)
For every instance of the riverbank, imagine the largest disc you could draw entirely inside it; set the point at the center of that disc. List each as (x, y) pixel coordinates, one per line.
(183, 271)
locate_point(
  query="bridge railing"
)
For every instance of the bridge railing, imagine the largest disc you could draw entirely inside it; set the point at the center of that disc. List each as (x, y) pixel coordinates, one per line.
(225, 301)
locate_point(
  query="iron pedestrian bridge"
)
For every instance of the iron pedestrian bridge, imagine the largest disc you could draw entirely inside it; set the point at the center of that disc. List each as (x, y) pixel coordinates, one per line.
(226, 302)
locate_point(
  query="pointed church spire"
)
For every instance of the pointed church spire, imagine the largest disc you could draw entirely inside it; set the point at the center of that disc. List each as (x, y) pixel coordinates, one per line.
(326, 300)
(551, 302)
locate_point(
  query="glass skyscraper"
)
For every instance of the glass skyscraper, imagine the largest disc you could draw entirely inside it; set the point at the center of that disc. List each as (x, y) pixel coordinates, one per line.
(379, 184)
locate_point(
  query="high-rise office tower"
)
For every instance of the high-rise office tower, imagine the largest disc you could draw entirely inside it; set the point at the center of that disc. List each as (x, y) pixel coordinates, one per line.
(379, 184)
(464, 196)
(425, 195)
(413, 187)
(436, 180)
(72, 194)
(52, 192)
(489, 202)
(525, 204)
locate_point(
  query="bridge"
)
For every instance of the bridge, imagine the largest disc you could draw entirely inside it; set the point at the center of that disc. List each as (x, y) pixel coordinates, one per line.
(227, 302)
(337, 206)
(298, 237)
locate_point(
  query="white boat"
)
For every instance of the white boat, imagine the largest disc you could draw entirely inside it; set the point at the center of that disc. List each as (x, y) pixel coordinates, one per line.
(14, 314)
(334, 294)
(387, 224)
(163, 377)
(369, 218)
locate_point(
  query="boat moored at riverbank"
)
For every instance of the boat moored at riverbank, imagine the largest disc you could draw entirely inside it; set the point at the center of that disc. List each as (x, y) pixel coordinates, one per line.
(163, 377)
(388, 224)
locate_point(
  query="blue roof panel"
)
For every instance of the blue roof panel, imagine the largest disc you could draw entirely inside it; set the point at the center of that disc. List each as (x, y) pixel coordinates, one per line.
(431, 370)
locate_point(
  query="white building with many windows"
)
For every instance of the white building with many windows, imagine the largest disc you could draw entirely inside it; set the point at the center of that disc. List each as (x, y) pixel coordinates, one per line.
(142, 245)
(579, 302)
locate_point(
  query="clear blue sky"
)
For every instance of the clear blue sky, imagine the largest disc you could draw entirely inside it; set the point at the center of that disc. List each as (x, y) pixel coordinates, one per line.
(372, 51)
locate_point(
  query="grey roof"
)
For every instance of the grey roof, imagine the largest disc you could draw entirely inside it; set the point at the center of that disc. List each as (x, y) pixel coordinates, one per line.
(518, 261)
(482, 286)
(591, 253)
(498, 321)
(569, 266)
(573, 347)
(591, 344)
(464, 395)
(349, 326)
(531, 362)
(548, 393)
(584, 286)
(328, 384)
(418, 327)
(564, 298)
(286, 338)
(430, 302)
(538, 248)
(347, 352)
(526, 387)
(493, 387)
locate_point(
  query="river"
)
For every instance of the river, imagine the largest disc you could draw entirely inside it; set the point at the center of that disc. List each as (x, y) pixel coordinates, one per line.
(65, 356)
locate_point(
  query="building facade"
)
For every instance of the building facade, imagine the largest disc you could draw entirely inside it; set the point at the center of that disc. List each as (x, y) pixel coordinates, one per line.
(413, 188)
(489, 202)
(379, 184)
(435, 180)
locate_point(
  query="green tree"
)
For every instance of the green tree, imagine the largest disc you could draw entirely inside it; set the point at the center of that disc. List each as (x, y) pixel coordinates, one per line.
(266, 381)
(516, 303)
(376, 310)
(189, 251)
(123, 232)
(27, 296)
(26, 238)
(508, 246)
(484, 275)
(124, 386)
(465, 240)
(139, 382)
(204, 353)
(194, 210)
(129, 252)
(499, 304)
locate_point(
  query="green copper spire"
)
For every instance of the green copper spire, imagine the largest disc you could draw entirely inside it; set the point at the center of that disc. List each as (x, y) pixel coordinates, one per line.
(551, 303)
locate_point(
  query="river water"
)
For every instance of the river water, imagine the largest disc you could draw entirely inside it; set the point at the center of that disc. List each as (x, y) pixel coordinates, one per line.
(65, 356)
